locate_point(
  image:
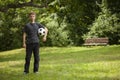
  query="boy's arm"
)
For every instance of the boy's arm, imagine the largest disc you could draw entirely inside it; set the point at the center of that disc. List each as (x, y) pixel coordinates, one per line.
(24, 40)
(45, 36)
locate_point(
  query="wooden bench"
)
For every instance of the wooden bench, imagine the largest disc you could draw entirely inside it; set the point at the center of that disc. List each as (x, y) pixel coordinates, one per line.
(96, 41)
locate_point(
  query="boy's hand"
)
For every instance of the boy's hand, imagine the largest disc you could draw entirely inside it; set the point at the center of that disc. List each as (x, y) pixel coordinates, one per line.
(24, 45)
(44, 39)
(45, 36)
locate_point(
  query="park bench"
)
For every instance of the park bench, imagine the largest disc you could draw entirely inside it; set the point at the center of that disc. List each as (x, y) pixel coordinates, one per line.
(96, 41)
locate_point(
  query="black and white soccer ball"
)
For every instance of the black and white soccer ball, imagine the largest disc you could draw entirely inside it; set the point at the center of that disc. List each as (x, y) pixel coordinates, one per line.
(41, 31)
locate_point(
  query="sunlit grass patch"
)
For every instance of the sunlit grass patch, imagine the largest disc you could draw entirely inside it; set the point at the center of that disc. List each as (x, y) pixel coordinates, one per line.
(64, 63)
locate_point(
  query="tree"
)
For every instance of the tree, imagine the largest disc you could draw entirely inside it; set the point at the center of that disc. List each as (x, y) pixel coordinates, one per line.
(13, 15)
(106, 25)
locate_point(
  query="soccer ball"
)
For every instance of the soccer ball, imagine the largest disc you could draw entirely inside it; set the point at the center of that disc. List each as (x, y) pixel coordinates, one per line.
(41, 31)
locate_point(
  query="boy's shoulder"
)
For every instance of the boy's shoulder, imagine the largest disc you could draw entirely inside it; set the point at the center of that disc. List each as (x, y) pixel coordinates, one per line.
(39, 24)
(27, 24)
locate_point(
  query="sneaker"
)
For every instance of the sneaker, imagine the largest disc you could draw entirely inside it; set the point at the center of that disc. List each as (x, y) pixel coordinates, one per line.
(36, 72)
(25, 73)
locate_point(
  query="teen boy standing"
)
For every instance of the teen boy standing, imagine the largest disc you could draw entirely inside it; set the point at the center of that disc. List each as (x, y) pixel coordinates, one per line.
(31, 42)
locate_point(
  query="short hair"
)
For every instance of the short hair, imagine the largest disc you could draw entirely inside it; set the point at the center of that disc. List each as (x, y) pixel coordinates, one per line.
(32, 13)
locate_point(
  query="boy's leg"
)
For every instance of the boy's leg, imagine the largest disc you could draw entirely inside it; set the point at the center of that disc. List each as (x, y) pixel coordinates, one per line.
(28, 57)
(36, 57)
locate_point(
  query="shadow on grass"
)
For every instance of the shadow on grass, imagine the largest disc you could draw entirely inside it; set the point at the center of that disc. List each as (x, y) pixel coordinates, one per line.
(84, 56)
(12, 57)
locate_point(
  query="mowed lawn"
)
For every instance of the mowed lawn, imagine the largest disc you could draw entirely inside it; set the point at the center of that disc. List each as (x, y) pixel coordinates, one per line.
(64, 63)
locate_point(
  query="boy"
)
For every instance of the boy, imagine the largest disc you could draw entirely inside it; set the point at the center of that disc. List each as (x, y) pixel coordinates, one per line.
(31, 42)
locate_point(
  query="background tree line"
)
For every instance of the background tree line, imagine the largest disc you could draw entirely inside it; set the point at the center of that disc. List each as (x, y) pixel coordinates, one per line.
(69, 21)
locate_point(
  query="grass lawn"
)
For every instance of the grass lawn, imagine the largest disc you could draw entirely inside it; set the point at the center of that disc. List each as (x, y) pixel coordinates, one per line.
(66, 63)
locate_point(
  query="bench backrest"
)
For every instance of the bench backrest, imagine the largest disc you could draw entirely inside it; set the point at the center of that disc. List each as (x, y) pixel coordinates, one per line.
(97, 40)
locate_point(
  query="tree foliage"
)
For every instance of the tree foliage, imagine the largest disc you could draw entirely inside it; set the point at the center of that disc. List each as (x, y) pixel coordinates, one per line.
(106, 25)
(67, 20)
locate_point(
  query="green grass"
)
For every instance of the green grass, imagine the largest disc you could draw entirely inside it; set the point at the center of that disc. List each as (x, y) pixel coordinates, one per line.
(66, 63)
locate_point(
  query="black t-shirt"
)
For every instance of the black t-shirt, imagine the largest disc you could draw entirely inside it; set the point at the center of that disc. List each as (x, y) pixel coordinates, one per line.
(31, 29)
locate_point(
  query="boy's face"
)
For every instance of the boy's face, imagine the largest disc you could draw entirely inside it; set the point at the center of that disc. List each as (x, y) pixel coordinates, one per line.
(32, 17)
